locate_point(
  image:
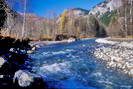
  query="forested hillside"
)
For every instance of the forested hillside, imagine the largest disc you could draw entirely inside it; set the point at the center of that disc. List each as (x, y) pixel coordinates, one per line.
(119, 20)
(11, 21)
(81, 25)
(106, 17)
(74, 22)
(122, 21)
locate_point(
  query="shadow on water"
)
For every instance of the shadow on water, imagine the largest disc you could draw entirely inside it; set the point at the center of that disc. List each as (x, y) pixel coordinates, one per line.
(73, 66)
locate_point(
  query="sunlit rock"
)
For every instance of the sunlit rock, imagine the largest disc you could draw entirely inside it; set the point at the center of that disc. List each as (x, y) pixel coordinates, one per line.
(71, 40)
(2, 61)
(37, 46)
(24, 78)
(34, 48)
(104, 41)
(1, 76)
(11, 50)
(116, 59)
(23, 51)
(117, 56)
(131, 72)
(29, 51)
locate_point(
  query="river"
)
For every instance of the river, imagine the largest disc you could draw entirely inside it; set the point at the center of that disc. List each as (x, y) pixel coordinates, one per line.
(73, 66)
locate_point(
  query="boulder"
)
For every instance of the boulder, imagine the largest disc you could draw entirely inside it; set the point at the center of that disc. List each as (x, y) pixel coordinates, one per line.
(30, 51)
(33, 49)
(71, 40)
(131, 73)
(37, 46)
(23, 51)
(12, 50)
(26, 79)
(61, 37)
(2, 61)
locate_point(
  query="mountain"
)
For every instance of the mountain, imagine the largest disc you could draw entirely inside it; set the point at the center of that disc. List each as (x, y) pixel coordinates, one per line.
(106, 6)
(79, 23)
(117, 18)
(10, 21)
(73, 12)
(78, 11)
(73, 22)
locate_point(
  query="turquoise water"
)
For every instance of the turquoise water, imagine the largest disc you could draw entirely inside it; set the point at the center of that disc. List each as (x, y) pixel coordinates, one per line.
(73, 66)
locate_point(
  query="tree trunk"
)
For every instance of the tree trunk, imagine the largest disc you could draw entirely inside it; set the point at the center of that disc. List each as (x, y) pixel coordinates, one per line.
(131, 17)
(24, 19)
(125, 22)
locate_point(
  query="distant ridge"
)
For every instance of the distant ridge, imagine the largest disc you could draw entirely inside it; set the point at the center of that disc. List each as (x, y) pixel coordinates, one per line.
(77, 11)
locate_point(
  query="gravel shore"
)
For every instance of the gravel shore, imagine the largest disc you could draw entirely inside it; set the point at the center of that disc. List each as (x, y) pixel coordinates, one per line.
(42, 43)
(117, 55)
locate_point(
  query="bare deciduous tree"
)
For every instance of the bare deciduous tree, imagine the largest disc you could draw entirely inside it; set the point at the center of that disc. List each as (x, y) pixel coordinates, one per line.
(24, 17)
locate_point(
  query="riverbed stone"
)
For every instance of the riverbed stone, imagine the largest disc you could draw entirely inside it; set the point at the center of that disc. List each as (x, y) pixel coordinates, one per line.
(30, 51)
(2, 61)
(117, 57)
(12, 50)
(37, 46)
(71, 40)
(130, 72)
(24, 78)
(33, 49)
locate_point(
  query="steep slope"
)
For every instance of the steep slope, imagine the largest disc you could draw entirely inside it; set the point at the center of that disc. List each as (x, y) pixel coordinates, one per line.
(79, 23)
(106, 6)
(73, 22)
(78, 11)
(119, 21)
(3, 15)
(10, 22)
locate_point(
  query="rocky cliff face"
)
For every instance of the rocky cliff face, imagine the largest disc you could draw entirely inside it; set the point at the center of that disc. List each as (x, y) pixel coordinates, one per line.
(106, 6)
(10, 21)
(73, 12)
(79, 23)
(3, 15)
(78, 11)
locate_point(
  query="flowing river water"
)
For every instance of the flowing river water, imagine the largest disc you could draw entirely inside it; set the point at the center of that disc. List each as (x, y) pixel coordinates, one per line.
(73, 66)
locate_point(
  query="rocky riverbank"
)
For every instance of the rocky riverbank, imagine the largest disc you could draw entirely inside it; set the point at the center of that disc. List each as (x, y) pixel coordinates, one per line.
(117, 55)
(13, 65)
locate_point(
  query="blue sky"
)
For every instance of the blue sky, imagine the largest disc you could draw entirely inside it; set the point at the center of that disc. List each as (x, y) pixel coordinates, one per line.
(44, 7)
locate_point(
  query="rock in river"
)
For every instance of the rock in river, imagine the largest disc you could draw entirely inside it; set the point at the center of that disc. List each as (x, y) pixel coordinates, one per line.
(26, 79)
(2, 61)
(71, 40)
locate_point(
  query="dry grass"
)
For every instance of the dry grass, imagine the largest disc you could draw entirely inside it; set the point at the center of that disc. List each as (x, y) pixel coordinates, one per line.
(128, 37)
(87, 37)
